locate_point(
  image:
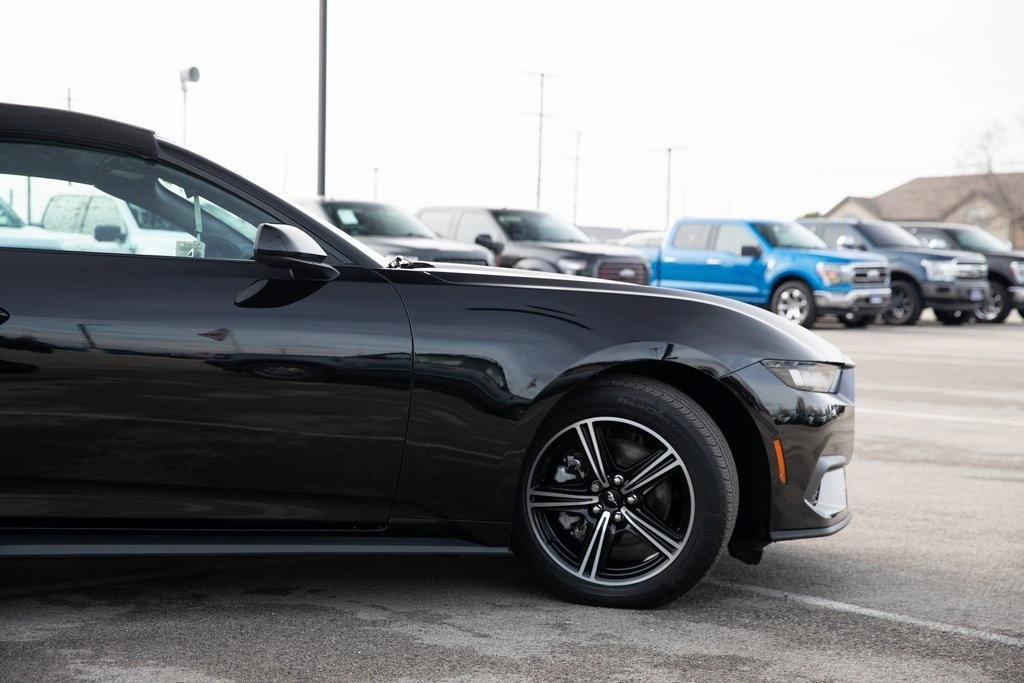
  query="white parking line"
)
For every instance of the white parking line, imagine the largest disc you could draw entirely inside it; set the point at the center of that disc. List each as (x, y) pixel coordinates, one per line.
(869, 612)
(941, 418)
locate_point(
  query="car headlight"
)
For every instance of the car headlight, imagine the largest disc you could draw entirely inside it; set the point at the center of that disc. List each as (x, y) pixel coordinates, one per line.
(1017, 270)
(832, 273)
(939, 271)
(571, 266)
(807, 376)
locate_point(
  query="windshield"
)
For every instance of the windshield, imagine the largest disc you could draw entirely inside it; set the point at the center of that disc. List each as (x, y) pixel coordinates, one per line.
(534, 226)
(978, 240)
(377, 220)
(791, 235)
(888, 235)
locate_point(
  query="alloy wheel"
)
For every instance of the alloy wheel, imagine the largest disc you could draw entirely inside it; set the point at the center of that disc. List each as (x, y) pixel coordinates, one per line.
(990, 308)
(610, 501)
(792, 304)
(900, 307)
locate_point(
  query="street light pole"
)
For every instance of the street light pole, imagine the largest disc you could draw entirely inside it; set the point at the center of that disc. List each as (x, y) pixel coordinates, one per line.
(576, 176)
(321, 121)
(668, 185)
(186, 76)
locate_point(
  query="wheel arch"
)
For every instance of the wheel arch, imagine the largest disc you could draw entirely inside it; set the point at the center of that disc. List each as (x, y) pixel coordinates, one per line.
(732, 417)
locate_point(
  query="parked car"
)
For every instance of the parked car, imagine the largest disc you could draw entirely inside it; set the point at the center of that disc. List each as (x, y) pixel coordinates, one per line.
(950, 282)
(775, 264)
(98, 222)
(393, 232)
(647, 243)
(533, 240)
(14, 232)
(1005, 266)
(300, 394)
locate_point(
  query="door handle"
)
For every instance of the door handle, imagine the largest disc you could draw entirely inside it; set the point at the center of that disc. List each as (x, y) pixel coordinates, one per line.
(4, 316)
(714, 261)
(669, 259)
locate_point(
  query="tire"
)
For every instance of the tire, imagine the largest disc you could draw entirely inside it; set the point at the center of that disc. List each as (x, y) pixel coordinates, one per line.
(794, 301)
(906, 305)
(997, 306)
(632, 419)
(953, 317)
(859, 321)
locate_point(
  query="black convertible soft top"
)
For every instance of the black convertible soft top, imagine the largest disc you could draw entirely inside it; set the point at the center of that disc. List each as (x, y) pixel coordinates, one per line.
(18, 120)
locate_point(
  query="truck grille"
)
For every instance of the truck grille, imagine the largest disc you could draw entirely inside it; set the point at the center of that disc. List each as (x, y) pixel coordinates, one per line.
(623, 271)
(871, 274)
(971, 271)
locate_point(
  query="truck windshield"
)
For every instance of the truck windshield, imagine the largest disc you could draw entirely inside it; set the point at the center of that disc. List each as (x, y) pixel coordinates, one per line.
(377, 220)
(534, 226)
(888, 235)
(792, 235)
(978, 240)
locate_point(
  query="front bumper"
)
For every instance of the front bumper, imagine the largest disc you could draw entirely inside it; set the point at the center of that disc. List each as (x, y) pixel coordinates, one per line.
(962, 295)
(858, 301)
(815, 431)
(1016, 295)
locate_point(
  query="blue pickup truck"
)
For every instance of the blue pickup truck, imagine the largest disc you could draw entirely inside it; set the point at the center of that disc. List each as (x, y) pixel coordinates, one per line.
(779, 265)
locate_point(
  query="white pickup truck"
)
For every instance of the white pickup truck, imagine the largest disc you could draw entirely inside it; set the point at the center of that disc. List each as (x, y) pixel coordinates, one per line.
(96, 222)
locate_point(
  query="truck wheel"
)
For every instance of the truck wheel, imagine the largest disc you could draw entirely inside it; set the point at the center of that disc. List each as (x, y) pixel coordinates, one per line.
(906, 305)
(953, 317)
(794, 301)
(628, 497)
(997, 306)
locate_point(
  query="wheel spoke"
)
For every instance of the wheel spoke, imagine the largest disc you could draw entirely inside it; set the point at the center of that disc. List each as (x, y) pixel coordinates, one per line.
(558, 500)
(656, 469)
(591, 561)
(662, 542)
(592, 448)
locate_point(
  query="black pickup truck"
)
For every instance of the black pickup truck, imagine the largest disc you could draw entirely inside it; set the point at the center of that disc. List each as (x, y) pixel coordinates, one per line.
(1005, 266)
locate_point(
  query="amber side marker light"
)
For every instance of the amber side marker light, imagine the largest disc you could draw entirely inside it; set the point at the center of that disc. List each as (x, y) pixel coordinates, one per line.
(780, 461)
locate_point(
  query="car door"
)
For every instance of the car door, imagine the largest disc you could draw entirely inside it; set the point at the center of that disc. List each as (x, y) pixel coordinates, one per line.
(190, 391)
(733, 274)
(685, 258)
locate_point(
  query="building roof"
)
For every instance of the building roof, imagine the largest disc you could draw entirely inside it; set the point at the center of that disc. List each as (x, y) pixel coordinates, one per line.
(923, 199)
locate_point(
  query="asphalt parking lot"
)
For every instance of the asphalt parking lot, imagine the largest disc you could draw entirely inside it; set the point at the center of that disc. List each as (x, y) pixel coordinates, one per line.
(927, 581)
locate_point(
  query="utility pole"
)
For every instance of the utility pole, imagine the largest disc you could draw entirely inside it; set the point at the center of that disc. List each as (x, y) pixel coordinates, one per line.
(668, 184)
(186, 76)
(540, 129)
(376, 174)
(69, 98)
(321, 120)
(576, 177)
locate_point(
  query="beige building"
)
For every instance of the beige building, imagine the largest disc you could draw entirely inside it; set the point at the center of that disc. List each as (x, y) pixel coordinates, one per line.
(994, 201)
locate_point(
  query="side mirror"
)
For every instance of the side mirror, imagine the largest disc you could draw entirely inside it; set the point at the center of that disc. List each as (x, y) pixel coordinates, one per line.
(936, 243)
(108, 233)
(487, 242)
(751, 250)
(285, 246)
(846, 242)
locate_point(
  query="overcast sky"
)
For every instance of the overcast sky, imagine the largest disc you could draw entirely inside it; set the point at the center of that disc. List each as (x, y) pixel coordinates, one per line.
(781, 107)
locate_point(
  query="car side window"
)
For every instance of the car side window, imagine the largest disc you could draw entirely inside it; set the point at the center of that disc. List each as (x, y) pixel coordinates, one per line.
(439, 220)
(476, 222)
(732, 237)
(934, 239)
(86, 200)
(691, 236)
(832, 234)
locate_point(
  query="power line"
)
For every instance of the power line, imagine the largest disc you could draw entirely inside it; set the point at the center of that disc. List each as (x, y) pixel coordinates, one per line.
(542, 77)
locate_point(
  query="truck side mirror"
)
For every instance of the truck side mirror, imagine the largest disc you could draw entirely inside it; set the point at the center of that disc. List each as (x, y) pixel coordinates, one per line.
(108, 233)
(487, 242)
(751, 250)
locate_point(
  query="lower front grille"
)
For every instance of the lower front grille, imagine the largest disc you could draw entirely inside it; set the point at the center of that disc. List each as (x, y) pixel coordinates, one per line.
(623, 271)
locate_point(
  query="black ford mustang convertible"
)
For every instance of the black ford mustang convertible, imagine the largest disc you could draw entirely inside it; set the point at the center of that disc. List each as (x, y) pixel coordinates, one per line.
(190, 365)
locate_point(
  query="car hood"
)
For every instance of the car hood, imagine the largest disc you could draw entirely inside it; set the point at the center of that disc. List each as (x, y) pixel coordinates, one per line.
(423, 248)
(925, 252)
(840, 256)
(588, 250)
(815, 348)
